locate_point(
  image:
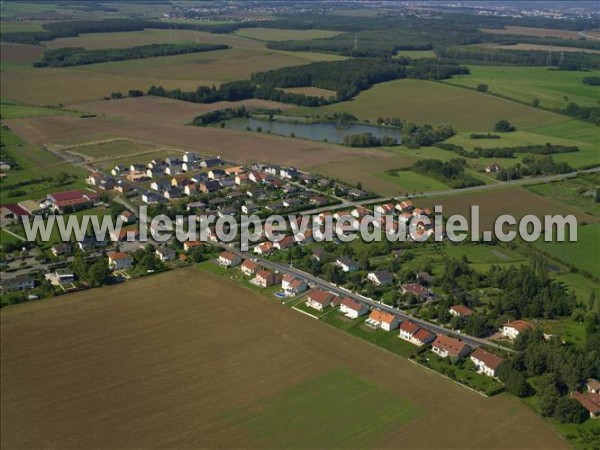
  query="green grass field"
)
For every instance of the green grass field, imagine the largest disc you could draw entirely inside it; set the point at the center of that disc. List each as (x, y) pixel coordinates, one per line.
(582, 254)
(416, 54)
(430, 102)
(553, 88)
(19, 26)
(276, 34)
(576, 192)
(336, 409)
(14, 110)
(412, 182)
(116, 149)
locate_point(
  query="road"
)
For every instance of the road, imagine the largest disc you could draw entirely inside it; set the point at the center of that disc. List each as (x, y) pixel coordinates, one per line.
(402, 315)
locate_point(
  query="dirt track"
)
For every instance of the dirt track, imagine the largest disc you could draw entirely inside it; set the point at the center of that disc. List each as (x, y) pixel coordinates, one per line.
(159, 362)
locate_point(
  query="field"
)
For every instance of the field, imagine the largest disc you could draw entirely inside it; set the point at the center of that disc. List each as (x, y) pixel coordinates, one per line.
(546, 48)
(408, 181)
(553, 88)
(582, 254)
(14, 26)
(223, 367)
(434, 103)
(275, 34)
(416, 54)
(314, 91)
(537, 32)
(515, 201)
(577, 192)
(12, 110)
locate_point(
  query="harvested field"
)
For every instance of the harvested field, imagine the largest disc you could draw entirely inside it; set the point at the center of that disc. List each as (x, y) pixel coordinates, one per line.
(184, 359)
(275, 34)
(309, 90)
(434, 103)
(537, 32)
(515, 201)
(545, 48)
(19, 53)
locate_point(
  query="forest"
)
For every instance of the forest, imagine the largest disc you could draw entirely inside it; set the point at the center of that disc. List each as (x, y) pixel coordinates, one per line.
(78, 56)
(507, 152)
(450, 172)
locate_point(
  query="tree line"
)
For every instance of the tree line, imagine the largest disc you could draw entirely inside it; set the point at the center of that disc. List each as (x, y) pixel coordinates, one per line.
(507, 152)
(78, 56)
(450, 172)
(220, 115)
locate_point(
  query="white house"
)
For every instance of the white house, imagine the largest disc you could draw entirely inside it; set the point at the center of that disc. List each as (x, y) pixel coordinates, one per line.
(165, 253)
(446, 346)
(512, 329)
(352, 309)
(292, 285)
(384, 320)
(229, 259)
(411, 332)
(120, 261)
(347, 264)
(486, 362)
(380, 277)
(387, 208)
(249, 267)
(319, 299)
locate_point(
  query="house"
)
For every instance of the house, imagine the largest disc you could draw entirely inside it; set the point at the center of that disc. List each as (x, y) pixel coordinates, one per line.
(265, 248)
(356, 194)
(165, 253)
(120, 261)
(190, 157)
(249, 267)
(241, 179)
(61, 249)
(209, 186)
(590, 401)
(180, 181)
(226, 182)
(512, 329)
(137, 168)
(208, 163)
(286, 242)
(127, 217)
(264, 278)
(359, 212)
(229, 259)
(347, 264)
(61, 276)
(154, 172)
(380, 278)
(292, 202)
(189, 245)
(30, 207)
(388, 208)
(151, 198)
(16, 284)
(292, 285)
(416, 290)
(289, 188)
(74, 200)
(234, 170)
(138, 176)
(288, 173)
(89, 243)
(99, 180)
(319, 299)
(413, 333)
(493, 168)
(405, 206)
(319, 254)
(190, 189)
(593, 385)
(249, 207)
(460, 311)
(190, 166)
(445, 346)
(384, 320)
(173, 193)
(486, 362)
(216, 174)
(159, 186)
(119, 170)
(195, 205)
(318, 200)
(257, 177)
(352, 309)
(424, 278)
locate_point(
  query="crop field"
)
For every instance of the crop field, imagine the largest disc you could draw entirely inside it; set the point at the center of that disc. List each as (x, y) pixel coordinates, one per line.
(583, 254)
(553, 88)
(408, 181)
(537, 32)
(113, 149)
(515, 201)
(17, 26)
(77, 370)
(309, 90)
(430, 102)
(275, 34)
(19, 54)
(52, 86)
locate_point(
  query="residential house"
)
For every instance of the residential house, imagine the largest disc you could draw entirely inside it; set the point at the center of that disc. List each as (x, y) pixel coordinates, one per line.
(292, 202)
(493, 168)
(424, 278)
(486, 362)
(514, 328)
(151, 198)
(189, 245)
(352, 309)
(387, 208)
(289, 188)
(165, 253)
(590, 401)
(209, 186)
(380, 278)
(155, 172)
(138, 176)
(292, 285)
(119, 170)
(359, 212)
(61, 249)
(319, 299)
(264, 248)
(346, 264)
(159, 186)
(413, 333)
(180, 181)
(234, 170)
(137, 168)
(416, 290)
(288, 173)
(173, 193)
(264, 278)
(190, 189)
(356, 194)
(190, 166)
(445, 346)
(127, 217)
(226, 182)
(405, 206)
(190, 157)
(249, 267)
(16, 284)
(229, 259)
(61, 276)
(241, 179)
(286, 242)
(381, 319)
(318, 200)
(319, 254)
(208, 163)
(460, 311)
(216, 174)
(120, 261)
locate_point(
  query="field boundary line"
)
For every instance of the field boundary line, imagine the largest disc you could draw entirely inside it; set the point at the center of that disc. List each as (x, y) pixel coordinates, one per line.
(304, 312)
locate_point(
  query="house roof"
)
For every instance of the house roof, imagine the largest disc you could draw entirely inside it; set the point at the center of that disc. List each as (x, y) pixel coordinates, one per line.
(16, 210)
(351, 304)
(462, 310)
(296, 283)
(382, 316)
(589, 400)
(423, 335)
(320, 296)
(382, 275)
(228, 256)
(262, 273)
(249, 264)
(347, 261)
(489, 359)
(265, 246)
(409, 327)
(414, 288)
(453, 346)
(119, 256)
(592, 383)
(67, 195)
(127, 214)
(519, 325)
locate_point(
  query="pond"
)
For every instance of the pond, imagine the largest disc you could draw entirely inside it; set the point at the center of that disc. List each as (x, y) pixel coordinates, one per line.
(319, 131)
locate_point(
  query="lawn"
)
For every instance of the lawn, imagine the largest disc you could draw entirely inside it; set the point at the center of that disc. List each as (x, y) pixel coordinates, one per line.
(553, 88)
(322, 413)
(412, 182)
(14, 110)
(582, 254)
(432, 102)
(276, 34)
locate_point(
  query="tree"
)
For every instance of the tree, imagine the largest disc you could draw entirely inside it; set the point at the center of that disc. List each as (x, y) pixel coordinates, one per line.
(568, 410)
(98, 273)
(504, 125)
(535, 102)
(482, 87)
